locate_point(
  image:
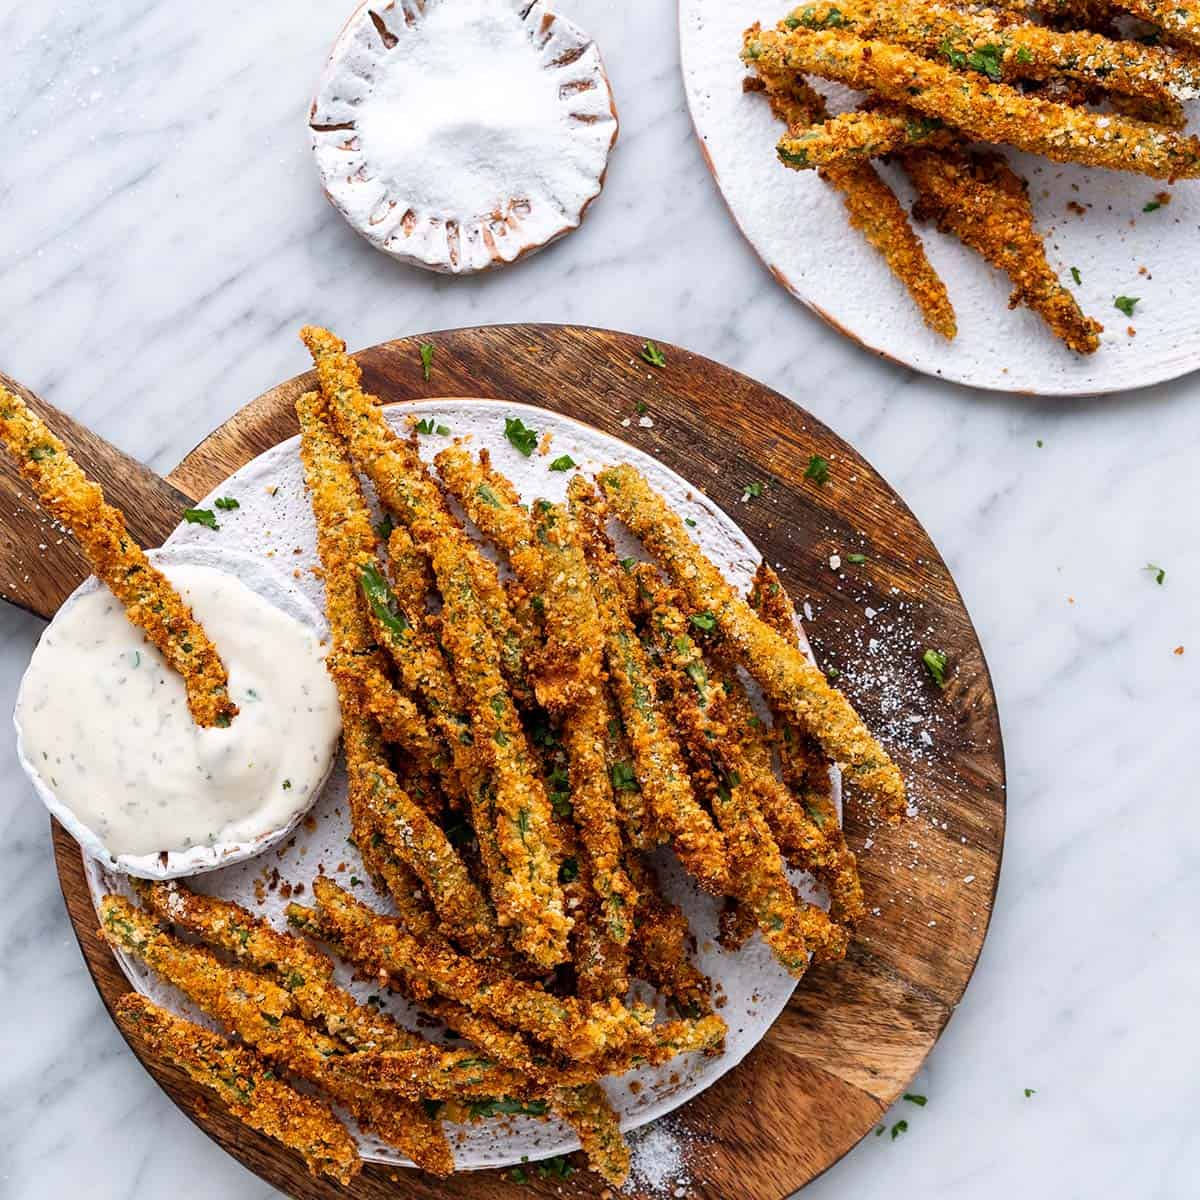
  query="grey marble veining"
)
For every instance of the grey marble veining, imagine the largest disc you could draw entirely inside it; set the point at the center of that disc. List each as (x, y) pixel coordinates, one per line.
(163, 238)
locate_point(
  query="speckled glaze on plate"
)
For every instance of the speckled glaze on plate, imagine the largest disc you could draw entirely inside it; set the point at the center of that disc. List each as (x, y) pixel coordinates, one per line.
(274, 521)
(1092, 220)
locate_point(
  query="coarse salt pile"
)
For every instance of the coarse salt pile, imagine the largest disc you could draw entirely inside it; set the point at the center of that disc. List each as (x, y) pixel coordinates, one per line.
(461, 134)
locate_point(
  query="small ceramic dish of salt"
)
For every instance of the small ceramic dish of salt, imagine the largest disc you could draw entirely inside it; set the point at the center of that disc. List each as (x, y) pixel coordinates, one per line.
(459, 135)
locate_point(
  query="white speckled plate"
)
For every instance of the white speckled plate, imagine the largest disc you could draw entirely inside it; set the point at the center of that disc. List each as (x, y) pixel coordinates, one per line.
(1092, 220)
(274, 521)
(459, 135)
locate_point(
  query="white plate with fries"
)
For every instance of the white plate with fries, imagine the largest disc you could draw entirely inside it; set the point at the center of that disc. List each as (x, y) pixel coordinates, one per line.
(274, 520)
(1121, 243)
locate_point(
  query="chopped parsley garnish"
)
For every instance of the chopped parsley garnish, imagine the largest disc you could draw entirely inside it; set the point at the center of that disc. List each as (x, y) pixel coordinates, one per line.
(1023, 55)
(520, 435)
(653, 355)
(956, 58)
(627, 564)
(201, 516)
(987, 60)
(1075, 275)
(564, 462)
(881, 1131)
(384, 529)
(426, 359)
(425, 425)
(558, 1167)
(569, 871)
(227, 503)
(935, 664)
(705, 621)
(518, 1175)
(1030, 1092)
(486, 494)
(690, 522)
(1160, 576)
(623, 777)
(817, 470)
(642, 408)
(899, 1128)
(1151, 205)
(355, 881)
(921, 1101)
(856, 559)
(1125, 304)
(809, 19)
(752, 491)
(38, 453)
(287, 785)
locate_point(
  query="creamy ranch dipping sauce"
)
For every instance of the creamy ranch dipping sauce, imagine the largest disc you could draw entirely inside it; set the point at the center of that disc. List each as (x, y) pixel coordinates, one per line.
(105, 721)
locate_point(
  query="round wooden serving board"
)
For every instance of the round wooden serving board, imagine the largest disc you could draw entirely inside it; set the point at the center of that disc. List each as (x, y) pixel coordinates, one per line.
(855, 1032)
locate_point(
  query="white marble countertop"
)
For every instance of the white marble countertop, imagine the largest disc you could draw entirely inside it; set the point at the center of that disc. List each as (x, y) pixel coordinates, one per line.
(162, 219)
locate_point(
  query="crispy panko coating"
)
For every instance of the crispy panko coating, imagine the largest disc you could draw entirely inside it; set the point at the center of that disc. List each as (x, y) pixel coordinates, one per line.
(260, 1013)
(805, 772)
(646, 1045)
(576, 1030)
(1006, 49)
(589, 1113)
(406, 488)
(1179, 20)
(789, 926)
(662, 943)
(983, 202)
(574, 632)
(992, 112)
(412, 581)
(657, 758)
(870, 203)
(529, 896)
(873, 132)
(590, 510)
(248, 1087)
(149, 600)
(346, 547)
(789, 680)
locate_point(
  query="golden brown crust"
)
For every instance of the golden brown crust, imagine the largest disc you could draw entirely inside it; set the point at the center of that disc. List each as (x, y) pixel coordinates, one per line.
(260, 1012)
(657, 758)
(870, 203)
(984, 203)
(246, 1085)
(992, 112)
(149, 600)
(786, 676)
(805, 810)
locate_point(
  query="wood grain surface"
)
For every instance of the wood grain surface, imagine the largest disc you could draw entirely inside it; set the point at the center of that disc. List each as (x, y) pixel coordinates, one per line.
(855, 1032)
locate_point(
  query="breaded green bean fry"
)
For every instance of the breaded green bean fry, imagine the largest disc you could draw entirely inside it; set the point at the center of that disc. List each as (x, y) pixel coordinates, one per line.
(579, 1031)
(989, 111)
(346, 547)
(260, 1013)
(657, 758)
(405, 487)
(985, 204)
(790, 681)
(246, 1085)
(1005, 49)
(805, 771)
(149, 600)
(870, 203)
(530, 897)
